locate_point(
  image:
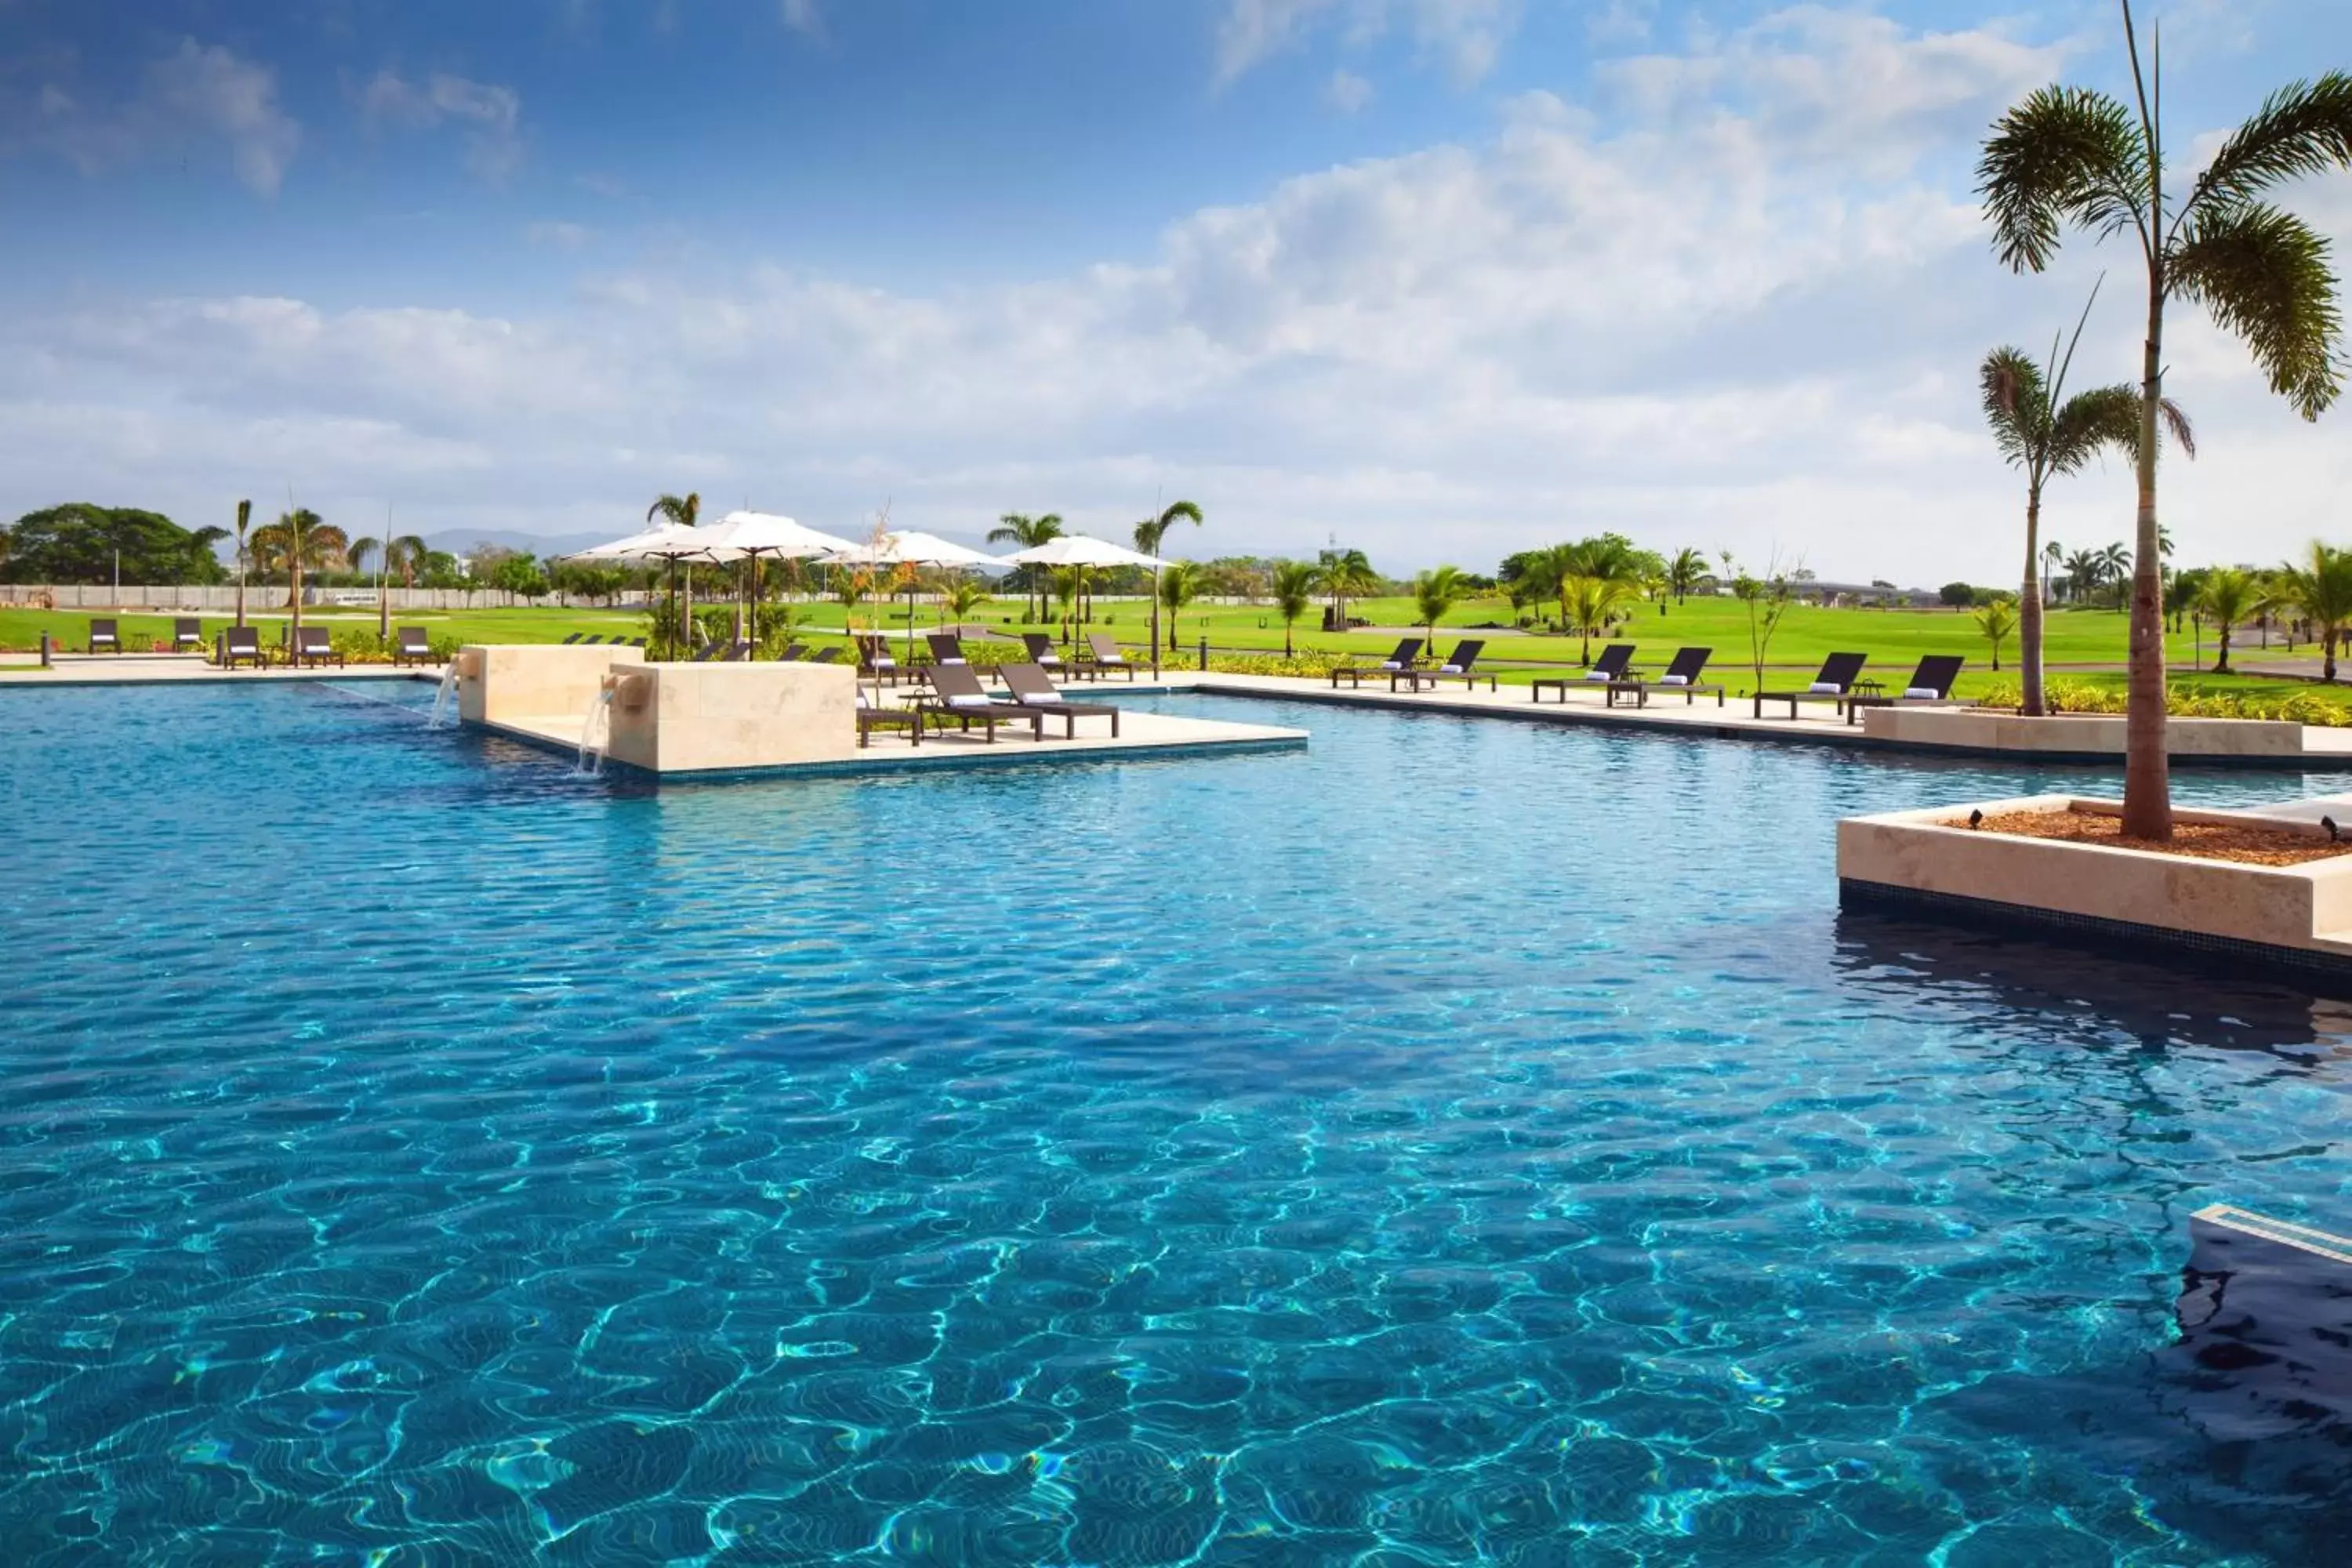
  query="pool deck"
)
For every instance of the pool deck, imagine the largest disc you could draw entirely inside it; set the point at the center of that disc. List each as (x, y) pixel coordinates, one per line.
(1141, 736)
(180, 668)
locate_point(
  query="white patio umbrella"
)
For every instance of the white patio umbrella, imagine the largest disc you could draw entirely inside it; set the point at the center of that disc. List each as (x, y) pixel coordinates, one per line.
(672, 541)
(1082, 551)
(749, 535)
(911, 547)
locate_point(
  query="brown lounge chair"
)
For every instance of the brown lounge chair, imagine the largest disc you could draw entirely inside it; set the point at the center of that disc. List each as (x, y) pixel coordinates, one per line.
(1408, 652)
(875, 660)
(313, 645)
(1043, 653)
(946, 648)
(873, 716)
(410, 645)
(105, 636)
(242, 644)
(1102, 656)
(187, 635)
(1034, 690)
(832, 655)
(1841, 673)
(956, 694)
(1682, 674)
(1609, 668)
(1462, 665)
(1931, 683)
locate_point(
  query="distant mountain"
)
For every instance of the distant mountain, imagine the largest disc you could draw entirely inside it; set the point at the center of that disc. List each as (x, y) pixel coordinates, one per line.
(462, 540)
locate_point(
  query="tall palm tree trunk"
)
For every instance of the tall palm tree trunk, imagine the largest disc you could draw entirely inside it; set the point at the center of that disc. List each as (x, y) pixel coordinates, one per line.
(2029, 609)
(2148, 786)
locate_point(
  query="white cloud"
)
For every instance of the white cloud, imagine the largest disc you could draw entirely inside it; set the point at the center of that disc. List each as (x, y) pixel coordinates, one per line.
(805, 17)
(1346, 92)
(1463, 37)
(1746, 310)
(199, 95)
(489, 115)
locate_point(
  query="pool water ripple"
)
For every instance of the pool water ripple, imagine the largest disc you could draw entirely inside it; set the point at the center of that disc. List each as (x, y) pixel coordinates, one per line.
(1454, 1142)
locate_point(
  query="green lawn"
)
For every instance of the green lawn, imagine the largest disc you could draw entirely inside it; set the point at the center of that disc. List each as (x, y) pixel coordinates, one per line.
(2082, 645)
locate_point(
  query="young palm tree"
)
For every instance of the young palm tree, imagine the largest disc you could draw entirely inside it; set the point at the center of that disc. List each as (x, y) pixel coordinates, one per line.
(685, 512)
(1434, 594)
(1069, 582)
(2114, 565)
(2073, 155)
(2319, 589)
(1294, 591)
(1344, 574)
(960, 596)
(1590, 603)
(1179, 584)
(2227, 597)
(1997, 620)
(2051, 555)
(1686, 571)
(1026, 532)
(1149, 535)
(405, 555)
(298, 539)
(361, 549)
(2046, 436)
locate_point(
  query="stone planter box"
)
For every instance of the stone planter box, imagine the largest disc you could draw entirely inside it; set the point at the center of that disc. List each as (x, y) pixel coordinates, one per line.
(2297, 917)
(2099, 735)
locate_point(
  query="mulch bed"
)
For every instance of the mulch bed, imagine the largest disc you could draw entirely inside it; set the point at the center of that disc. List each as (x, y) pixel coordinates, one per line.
(2198, 841)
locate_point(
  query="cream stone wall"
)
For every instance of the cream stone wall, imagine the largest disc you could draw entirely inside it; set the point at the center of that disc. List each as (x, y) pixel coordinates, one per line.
(2082, 733)
(1936, 851)
(500, 682)
(673, 718)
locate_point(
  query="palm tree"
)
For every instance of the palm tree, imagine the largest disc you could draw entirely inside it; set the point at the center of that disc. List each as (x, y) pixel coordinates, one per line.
(1997, 620)
(2051, 553)
(2082, 571)
(2227, 597)
(244, 558)
(1434, 594)
(1148, 533)
(683, 512)
(298, 539)
(961, 596)
(362, 547)
(2113, 564)
(1590, 603)
(2045, 436)
(1179, 584)
(405, 555)
(1344, 574)
(1294, 590)
(1028, 532)
(1069, 581)
(1686, 571)
(2319, 588)
(2079, 156)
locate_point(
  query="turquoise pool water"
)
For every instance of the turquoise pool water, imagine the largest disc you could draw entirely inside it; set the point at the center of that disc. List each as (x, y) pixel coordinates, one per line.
(1455, 1141)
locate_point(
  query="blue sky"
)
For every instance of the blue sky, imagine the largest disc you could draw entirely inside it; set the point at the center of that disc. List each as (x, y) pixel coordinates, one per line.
(1441, 278)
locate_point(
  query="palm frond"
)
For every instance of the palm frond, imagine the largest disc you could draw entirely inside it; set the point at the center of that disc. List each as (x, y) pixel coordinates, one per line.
(2103, 417)
(2016, 404)
(2066, 153)
(2176, 419)
(2264, 274)
(2304, 128)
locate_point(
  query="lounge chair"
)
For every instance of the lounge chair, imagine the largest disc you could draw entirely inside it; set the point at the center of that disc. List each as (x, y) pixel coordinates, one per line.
(737, 652)
(187, 635)
(946, 648)
(106, 636)
(872, 716)
(710, 651)
(1042, 652)
(874, 659)
(411, 646)
(1034, 690)
(829, 656)
(956, 694)
(573, 638)
(242, 644)
(1840, 675)
(1682, 674)
(1611, 666)
(312, 645)
(1462, 665)
(794, 653)
(1932, 682)
(1101, 656)
(1408, 652)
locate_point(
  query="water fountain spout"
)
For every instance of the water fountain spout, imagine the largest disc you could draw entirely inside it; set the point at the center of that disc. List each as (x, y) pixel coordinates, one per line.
(597, 731)
(445, 706)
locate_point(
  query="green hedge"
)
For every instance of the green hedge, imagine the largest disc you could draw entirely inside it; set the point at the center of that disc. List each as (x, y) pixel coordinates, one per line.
(2078, 697)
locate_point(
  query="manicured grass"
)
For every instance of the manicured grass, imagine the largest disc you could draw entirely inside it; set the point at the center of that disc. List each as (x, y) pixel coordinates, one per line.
(2082, 645)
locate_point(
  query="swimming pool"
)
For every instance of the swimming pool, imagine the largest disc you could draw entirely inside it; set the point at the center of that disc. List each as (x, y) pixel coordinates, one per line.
(1456, 1141)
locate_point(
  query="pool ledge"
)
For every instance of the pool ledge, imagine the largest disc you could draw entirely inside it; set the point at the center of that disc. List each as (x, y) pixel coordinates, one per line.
(2295, 918)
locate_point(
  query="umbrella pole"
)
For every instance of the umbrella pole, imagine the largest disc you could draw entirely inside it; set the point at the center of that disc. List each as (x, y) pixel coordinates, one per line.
(1155, 623)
